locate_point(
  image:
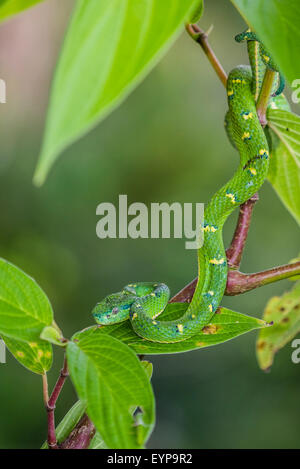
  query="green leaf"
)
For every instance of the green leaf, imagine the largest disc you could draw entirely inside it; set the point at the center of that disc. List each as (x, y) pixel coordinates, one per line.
(109, 48)
(285, 312)
(36, 356)
(53, 335)
(284, 173)
(277, 23)
(12, 7)
(68, 423)
(148, 367)
(97, 442)
(110, 379)
(24, 308)
(224, 325)
(197, 13)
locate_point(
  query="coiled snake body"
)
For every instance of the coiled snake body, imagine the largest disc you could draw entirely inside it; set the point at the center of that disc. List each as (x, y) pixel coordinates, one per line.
(143, 302)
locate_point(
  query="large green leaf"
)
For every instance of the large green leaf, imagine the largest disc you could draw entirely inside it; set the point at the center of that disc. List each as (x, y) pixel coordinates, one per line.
(109, 48)
(12, 7)
(197, 12)
(24, 308)
(110, 379)
(224, 325)
(277, 22)
(36, 356)
(284, 173)
(285, 312)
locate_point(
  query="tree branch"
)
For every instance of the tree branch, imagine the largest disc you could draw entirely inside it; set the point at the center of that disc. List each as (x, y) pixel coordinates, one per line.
(235, 251)
(50, 404)
(238, 282)
(202, 39)
(264, 97)
(81, 436)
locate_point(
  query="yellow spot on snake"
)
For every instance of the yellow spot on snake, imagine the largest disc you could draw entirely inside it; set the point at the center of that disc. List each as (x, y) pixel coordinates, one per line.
(230, 92)
(193, 316)
(263, 151)
(248, 116)
(154, 322)
(253, 171)
(211, 293)
(20, 354)
(209, 228)
(138, 305)
(152, 294)
(134, 316)
(267, 59)
(245, 135)
(180, 328)
(231, 197)
(216, 261)
(210, 308)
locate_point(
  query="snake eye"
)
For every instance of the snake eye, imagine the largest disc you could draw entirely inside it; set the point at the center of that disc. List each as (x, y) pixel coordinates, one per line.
(115, 310)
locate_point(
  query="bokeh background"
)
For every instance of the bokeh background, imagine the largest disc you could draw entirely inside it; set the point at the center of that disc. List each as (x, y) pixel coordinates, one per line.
(165, 143)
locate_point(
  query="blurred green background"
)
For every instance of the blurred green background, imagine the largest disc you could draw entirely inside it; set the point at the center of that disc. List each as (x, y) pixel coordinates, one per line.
(165, 143)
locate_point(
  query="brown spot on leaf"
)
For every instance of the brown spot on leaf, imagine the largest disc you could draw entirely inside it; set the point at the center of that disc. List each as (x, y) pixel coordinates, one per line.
(285, 319)
(200, 344)
(261, 344)
(210, 329)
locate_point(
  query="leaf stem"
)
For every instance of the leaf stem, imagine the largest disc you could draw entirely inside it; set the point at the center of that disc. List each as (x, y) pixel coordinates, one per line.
(202, 39)
(50, 403)
(45, 388)
(264, 97)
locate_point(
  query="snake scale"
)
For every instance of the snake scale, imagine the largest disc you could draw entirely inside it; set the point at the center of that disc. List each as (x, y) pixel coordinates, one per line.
(143, 302)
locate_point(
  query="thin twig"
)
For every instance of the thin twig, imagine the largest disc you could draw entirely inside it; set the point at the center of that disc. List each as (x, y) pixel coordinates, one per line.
(45, 389)
(238, 282)
(50, 404)
(202, 39)
(235, 250)
(264, 97)
(51, 437)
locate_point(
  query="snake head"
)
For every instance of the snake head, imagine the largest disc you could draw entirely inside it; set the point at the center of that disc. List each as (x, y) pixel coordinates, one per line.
(247, 35)
(113, 309)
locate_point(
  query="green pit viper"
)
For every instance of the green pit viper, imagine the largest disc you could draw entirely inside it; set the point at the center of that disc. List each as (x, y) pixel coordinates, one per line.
(143, 302)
